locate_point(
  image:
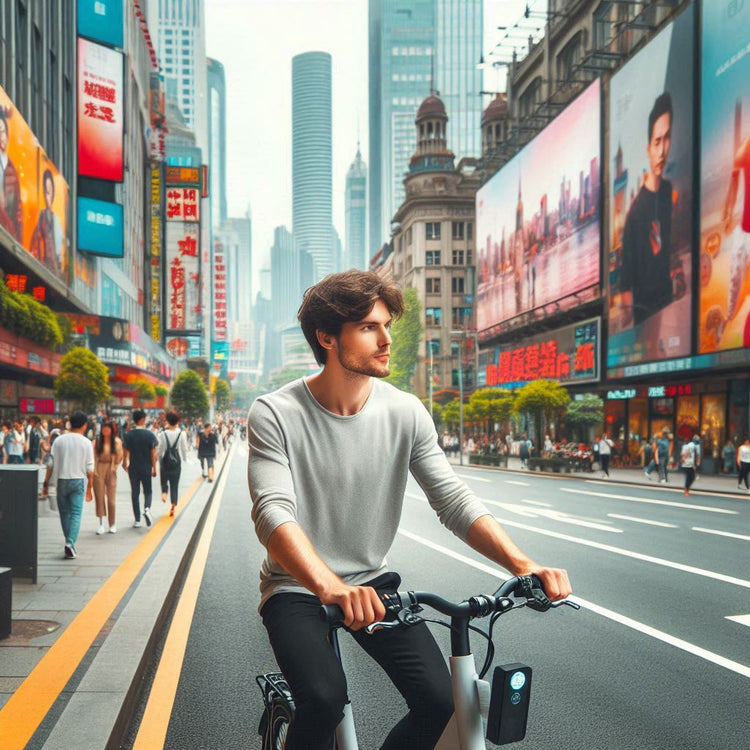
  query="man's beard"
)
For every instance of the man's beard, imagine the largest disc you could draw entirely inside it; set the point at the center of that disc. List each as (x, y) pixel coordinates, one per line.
(362, 367)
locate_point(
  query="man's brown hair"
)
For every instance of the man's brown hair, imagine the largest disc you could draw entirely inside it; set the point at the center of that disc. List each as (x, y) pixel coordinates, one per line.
(344, 297)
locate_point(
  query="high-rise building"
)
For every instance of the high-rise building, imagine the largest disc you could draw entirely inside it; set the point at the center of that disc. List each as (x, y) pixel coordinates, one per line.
(182, 54)
(458, 80)
(355, 251)
(242, 227)
(217, 141)
(312, 181)
(418, 46)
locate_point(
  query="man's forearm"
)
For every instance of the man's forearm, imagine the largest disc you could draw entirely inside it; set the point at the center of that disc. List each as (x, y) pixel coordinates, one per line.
(490, 539)
(291, 548)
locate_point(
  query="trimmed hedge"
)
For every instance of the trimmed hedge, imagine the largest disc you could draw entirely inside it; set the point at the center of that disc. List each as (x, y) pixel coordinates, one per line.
(24, 316)
(489, 460)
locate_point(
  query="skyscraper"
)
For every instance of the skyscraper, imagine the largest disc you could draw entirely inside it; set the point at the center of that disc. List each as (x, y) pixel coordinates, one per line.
(458, 48)
(415, 47)
(312, 181)
(355, 251)
(217, 141)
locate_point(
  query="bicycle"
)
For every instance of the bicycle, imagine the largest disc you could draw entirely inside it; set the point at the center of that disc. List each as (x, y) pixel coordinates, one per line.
(503, 705)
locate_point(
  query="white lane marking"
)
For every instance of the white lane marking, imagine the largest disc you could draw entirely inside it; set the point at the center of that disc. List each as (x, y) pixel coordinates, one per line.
(536, 502)
(643, 520)
(741, 619)
(554, 515)
(650, 501)
(627, 553)
(473, 478)
(722, 533)
(520, 484)
(665, 488)
(690, 648)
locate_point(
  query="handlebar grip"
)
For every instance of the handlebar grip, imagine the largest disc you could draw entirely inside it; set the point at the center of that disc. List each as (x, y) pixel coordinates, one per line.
(536, 597)
(332, 614)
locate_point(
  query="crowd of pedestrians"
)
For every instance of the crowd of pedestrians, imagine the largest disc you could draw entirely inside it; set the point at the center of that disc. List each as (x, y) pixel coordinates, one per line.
(81, 457)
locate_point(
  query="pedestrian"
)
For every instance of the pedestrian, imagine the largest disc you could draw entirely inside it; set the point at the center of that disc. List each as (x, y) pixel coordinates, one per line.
(690, 460)
(525, 451)
(206, 443)
(36, 437)
(729, 453)
(327, 513)
(647, 455)
(663, 454)
(172, 453)
(605, 453)
(73, 461)
(15, 442)
(743, 464)
(547, 445)
(140, 456)
(108, 452)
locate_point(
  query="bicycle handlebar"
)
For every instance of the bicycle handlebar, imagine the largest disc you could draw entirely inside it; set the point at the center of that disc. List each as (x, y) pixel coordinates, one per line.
(404, 604)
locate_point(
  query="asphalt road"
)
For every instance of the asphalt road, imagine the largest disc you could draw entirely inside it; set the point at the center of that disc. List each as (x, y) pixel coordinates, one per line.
(651, 661)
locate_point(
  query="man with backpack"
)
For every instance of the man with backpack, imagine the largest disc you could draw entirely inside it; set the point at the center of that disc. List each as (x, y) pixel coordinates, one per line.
(690, 460)
(172, 452)
(662, 454)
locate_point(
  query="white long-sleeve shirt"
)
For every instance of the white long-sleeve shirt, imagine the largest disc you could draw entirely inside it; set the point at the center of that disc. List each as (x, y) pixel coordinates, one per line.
(177, 435)
(342, 479)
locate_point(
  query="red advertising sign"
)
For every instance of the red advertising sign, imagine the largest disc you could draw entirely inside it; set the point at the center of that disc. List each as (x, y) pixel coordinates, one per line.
(183, 204)
(183, 276)
(220, 293)
(100, 111)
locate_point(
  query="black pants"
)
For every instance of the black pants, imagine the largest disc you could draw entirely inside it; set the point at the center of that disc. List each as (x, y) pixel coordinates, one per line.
(410, 657)
(171, 479)
(689, 476)
(744, 474)
(604, 461)
(136, 480)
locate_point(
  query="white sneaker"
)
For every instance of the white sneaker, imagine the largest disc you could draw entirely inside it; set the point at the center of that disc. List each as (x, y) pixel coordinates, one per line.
(147, 516)
(100, 530)
(137, 525)
(113, 529)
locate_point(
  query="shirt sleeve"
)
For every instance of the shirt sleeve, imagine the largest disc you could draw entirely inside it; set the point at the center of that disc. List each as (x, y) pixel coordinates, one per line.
(161, 444)
(90, 458)
(456, 506)
(268, 473)
(183, 446)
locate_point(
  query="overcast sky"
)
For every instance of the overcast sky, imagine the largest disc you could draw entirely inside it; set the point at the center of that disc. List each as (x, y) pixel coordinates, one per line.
(255, 40)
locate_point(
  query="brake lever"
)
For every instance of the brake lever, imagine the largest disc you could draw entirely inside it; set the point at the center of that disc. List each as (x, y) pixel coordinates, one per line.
(565, 603)
(406, 617)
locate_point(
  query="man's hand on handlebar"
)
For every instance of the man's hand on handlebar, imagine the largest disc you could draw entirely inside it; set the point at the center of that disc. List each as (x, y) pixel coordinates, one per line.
(361, 605)
(554, 580)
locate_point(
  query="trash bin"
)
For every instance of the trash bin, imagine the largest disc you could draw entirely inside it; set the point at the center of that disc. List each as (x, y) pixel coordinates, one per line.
(19, 514)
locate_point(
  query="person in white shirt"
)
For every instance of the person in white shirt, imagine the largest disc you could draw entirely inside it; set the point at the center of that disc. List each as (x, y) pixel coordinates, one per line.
(743, 464)
(605, 453)
(172, 449)
(73, 457)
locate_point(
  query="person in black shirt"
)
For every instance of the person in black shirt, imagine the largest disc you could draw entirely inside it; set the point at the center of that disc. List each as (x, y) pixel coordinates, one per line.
(140, 456)
(645, 277)
(206, 444)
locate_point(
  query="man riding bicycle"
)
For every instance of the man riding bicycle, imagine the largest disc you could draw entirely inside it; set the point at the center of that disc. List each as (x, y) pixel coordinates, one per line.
(329, 460)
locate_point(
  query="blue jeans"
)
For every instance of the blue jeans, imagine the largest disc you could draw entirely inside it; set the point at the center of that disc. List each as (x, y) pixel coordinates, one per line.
(70, 495)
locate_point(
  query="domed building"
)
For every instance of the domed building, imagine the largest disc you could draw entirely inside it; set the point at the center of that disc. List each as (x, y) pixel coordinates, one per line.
(434, 250)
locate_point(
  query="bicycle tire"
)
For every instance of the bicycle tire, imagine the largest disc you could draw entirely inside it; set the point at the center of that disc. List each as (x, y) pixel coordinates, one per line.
(277, 718)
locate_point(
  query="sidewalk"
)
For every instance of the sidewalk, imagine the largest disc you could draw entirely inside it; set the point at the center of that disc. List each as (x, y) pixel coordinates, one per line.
(122, 581)
(722, 483)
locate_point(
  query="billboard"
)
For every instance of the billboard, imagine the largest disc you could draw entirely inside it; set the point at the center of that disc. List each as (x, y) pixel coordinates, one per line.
(220, 292)
(569, 355)
(182, 286)
(101, 20)
(100, 111)
(724, 289)
(34, 198)
(156, 253)
(543, 248)
(650, 243)
(100, 228)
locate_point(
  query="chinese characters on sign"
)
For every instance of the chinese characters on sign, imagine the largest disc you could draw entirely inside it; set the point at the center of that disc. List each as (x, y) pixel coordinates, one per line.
(156, 253)
(183, 204)
(183, 277)
(569, 355)
(220, 293)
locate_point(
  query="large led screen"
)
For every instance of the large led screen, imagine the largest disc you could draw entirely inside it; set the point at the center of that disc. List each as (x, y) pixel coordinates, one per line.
(724, 307)
(538, 220)
(34, 196)
(100, 111)
(651, 200)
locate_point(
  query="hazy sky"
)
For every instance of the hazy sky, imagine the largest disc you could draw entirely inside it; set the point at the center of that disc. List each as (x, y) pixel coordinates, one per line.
(255, 40)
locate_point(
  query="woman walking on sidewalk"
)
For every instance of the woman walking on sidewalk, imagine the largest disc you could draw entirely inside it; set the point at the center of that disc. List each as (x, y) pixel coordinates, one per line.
(108, 454)
(206, 444)
(172, 452)
(743, 464)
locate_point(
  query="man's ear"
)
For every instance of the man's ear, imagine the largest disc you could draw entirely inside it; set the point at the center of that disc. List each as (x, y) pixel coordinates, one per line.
(326, 340)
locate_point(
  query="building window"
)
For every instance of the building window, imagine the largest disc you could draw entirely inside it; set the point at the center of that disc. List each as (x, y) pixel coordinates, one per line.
(458, 230)
(409, 262)
(458, 257)
(457, 285)
(460, 316)
(469, 230)
(434, 345)
(408, 236)
(432, 258)
(531, 97)
(433, 230)
(569, 59)
(432, 316)
(468, 257)
(432, 285)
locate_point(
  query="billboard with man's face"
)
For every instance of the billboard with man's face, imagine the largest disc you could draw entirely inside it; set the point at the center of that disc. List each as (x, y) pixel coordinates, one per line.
(33, 194)
(543, 249)
(724, 307)
(649, 262)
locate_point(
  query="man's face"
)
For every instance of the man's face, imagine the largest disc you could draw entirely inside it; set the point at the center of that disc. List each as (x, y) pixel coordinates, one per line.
(364, 346)
(49, 192)
(3, 136)
(659, 145)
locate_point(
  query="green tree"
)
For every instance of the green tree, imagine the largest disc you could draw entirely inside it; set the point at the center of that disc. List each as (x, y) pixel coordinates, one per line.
(83, 379)
(189, 395)
(492, 406)
(583, 414)
(222, 393)
(144, 391)
(407, 334)
(543, 400)
(452, 414)
(161, 390)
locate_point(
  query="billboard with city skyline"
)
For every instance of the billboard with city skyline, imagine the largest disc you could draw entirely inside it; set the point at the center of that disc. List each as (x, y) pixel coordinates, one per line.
(724, 290)
(648, 264)
(540, 250)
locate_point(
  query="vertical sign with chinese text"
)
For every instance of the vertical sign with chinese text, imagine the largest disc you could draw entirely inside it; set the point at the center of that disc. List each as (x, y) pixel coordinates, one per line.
(156, 254)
